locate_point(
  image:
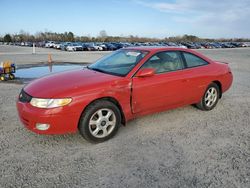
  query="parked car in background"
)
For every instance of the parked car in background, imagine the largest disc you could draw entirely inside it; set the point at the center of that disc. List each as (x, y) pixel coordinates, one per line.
(245, 45)
(64, 45)
(89, 46)
(180, 45)
(49, 44)
(126, 84)
(28, 44)
(84, 46)
(102, 46)
(207, 45)
(96, 46)
(118, 45)
(110, 47)
(41, 44)
(74, 47)
(57, 45)
(215, 44)
(189, 45)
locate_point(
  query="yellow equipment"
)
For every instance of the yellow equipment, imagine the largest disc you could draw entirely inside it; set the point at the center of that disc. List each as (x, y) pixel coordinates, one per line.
(6, 70)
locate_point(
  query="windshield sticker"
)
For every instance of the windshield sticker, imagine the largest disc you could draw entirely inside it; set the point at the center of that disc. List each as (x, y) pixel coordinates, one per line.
(135, 54)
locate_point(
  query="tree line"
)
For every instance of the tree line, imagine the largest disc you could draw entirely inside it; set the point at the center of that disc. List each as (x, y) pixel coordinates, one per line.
(23, 36)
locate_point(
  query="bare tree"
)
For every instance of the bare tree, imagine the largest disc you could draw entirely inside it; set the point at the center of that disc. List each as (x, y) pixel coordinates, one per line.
(103, 35)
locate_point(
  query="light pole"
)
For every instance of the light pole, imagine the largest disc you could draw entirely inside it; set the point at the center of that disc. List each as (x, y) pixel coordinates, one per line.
(34, 48)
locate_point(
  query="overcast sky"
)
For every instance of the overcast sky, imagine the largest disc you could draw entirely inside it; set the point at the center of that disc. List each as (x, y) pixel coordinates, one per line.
(150, 18)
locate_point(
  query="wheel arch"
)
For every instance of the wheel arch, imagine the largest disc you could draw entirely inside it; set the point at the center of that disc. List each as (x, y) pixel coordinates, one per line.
(114, 101)
(218, 83)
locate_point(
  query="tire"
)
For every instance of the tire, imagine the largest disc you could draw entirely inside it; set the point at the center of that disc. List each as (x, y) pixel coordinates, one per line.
(2, 77)
(210, 98)
(11, 76)
(100, 121)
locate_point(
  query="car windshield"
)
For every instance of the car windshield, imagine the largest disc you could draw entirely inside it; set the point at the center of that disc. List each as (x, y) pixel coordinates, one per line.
(118, 63)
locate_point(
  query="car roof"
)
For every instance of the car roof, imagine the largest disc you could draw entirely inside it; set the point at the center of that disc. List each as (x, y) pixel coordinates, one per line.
(155, 48)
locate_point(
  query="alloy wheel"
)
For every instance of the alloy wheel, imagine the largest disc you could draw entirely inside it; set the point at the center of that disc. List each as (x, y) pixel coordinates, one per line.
(211, 96)
(102, 123)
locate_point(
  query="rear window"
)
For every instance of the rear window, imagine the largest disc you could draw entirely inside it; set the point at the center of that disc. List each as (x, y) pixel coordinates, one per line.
(193, 60)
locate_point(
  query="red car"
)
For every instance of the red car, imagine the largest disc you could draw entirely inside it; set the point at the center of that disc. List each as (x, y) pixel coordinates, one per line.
(126, 84)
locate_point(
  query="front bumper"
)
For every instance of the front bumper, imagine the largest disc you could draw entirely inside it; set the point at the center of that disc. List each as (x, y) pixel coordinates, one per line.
(61, 121)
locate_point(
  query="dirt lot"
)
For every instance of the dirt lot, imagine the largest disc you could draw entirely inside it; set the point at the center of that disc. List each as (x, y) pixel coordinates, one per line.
(184, 147)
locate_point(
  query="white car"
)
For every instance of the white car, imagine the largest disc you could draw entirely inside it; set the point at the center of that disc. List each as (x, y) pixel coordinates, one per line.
(49, 44)
(57, 45)
(95, 46)
(74, 47)
(245, 45)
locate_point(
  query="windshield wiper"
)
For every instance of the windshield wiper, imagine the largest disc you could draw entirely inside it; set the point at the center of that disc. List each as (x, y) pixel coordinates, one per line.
(96, 69)
(106, 72)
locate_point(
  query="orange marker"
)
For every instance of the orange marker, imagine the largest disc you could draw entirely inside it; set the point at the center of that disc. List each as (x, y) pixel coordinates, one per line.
(49, 58)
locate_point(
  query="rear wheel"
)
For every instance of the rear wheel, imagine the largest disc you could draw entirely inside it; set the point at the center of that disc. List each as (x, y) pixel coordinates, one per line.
(2, 77)
(100, 121)
(12, 76)
(210, 98)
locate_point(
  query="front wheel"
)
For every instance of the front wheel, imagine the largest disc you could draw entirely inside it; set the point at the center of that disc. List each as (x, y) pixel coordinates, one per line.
(210, 98)
(100, 121)
(2, 77)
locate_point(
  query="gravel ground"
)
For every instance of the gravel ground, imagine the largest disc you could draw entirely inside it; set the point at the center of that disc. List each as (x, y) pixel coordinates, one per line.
(184, 147)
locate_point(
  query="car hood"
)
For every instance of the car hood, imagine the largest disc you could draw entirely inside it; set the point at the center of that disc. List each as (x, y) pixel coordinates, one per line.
(69, 83)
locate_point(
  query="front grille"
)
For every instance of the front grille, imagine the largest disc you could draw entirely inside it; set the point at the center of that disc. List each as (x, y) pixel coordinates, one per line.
(24, 97)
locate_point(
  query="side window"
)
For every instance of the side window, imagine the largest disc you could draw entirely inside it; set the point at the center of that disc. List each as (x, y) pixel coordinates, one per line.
(193, 60)
(164, 62)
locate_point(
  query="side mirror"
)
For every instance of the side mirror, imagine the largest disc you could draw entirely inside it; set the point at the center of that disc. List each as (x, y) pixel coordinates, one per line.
(146, 72)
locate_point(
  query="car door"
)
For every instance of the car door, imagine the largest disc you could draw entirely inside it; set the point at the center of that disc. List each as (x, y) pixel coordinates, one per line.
(162, 90)
(196, 73)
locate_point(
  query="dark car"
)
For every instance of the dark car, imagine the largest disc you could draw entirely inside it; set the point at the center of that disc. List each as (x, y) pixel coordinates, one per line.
(89, 47)
(110, 47)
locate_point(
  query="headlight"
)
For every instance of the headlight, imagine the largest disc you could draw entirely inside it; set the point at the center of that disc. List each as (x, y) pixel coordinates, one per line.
(49, 103)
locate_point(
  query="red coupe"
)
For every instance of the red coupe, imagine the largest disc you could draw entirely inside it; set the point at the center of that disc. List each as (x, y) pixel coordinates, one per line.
(126, 84)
